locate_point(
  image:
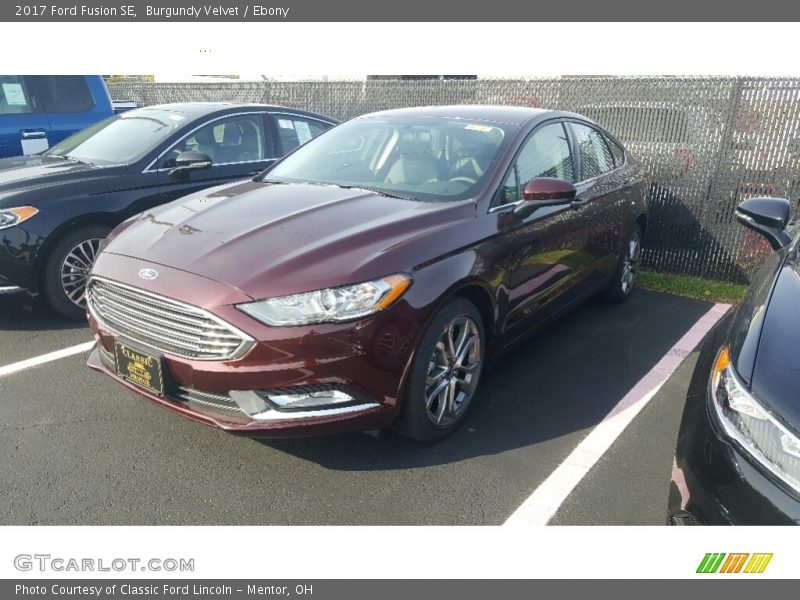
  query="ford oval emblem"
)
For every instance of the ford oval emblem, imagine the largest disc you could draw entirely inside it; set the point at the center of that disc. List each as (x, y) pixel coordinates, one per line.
(148, 274)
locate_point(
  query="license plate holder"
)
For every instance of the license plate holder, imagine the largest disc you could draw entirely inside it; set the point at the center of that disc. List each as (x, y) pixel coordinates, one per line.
(141, 368)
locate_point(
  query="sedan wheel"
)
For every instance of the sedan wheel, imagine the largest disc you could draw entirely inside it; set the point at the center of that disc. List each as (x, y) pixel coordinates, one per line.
(630, 263)
(451, 373)
(624, 279)
(445, 373)
(67, 269)
(75, 270)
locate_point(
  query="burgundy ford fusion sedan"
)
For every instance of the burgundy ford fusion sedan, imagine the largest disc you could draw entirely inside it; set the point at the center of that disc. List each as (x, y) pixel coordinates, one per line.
(366, 279)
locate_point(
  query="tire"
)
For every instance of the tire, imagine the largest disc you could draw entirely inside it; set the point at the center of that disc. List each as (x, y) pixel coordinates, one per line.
(432, 368)
(624, 279)
(71, 257)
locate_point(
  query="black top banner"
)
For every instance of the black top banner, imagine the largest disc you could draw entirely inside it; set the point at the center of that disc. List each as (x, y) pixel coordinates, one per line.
(399, 11)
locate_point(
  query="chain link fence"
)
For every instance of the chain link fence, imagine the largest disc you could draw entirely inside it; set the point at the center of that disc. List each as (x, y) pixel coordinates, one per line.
(707, 142)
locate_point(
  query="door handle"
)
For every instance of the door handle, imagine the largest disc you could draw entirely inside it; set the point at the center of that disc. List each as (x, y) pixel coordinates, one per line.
(578, 202)
(33, 134)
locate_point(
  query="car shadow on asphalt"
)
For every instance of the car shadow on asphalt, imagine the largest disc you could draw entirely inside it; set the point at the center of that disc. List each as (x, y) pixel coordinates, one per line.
(563, 380)
(22, 312)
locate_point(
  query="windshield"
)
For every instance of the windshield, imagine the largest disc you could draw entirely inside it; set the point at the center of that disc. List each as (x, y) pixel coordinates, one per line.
(119, 140)
(428, 158)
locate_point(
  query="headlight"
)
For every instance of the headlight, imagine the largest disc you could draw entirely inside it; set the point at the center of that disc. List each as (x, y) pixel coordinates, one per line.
(331, 305)
(746, 421)
(14, 216)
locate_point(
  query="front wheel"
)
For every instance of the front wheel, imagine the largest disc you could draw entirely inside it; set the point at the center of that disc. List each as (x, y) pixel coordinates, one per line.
(67, 269)
(624, 279)
(445, 373)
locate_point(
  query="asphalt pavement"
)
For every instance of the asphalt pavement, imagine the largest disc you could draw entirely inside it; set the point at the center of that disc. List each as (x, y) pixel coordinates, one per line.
(80, 450)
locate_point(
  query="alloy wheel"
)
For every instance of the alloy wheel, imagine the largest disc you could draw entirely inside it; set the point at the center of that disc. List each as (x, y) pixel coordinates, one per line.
(453, 371)
(75, 270)
(630, 263)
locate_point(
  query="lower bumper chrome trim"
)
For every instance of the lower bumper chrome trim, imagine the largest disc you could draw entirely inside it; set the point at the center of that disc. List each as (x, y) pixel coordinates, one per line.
(257, 409)
(10, 289)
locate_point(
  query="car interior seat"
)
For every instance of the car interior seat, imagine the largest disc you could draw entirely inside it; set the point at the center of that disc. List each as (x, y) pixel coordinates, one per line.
(416, 162)
(250, 144)
(206, 143)
(473, 161)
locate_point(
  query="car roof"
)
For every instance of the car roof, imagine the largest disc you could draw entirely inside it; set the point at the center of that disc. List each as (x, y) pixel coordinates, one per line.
(207, 108)
(510, 115)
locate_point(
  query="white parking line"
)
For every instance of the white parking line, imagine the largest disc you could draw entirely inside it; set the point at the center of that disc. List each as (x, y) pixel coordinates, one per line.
(543, 503)
(45, 358)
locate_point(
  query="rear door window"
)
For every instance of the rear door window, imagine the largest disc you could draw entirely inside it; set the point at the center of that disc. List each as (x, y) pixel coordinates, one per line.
(16, 96)
(294, 131)
(593, 153)
(617, 152)
(64, 93)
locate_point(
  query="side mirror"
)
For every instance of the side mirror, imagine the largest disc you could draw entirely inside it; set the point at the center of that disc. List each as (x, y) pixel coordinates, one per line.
(190, 161)
(767, 216)
(544, 191)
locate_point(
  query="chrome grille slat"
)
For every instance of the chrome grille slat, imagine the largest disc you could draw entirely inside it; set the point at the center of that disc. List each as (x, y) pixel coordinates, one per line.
(188, 329)
(145, 330)
(188, 341)
(167, 310)
(235, 409)
(164, 324)
(193, 393)
(146, 304)
(159, 315)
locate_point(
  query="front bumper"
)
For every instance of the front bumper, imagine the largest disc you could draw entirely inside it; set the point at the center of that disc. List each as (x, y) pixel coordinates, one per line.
(367, 360)
(216, 410)
(713, 481)
(19, 249)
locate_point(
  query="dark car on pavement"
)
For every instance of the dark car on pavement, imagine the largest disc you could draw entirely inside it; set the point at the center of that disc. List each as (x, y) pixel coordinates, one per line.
(365, 279)
(737, 459)
(57, 206)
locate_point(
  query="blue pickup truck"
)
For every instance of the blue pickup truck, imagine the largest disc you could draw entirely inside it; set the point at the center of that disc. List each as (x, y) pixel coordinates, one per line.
(38, 111)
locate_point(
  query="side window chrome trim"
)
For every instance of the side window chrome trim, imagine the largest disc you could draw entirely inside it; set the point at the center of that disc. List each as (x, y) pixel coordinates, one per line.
(241, 162)
(505, 206)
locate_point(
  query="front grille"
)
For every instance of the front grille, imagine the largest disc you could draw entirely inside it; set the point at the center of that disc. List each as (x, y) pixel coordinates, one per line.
(163, 323)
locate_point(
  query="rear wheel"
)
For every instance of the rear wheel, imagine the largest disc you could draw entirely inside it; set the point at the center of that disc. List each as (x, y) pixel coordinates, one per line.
(445, 373)
(67, 269)
(624, 279)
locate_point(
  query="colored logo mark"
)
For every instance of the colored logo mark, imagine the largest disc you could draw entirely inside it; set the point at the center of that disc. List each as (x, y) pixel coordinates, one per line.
(719, 562)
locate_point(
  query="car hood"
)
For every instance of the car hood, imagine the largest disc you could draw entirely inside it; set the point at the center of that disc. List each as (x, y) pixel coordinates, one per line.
(776, 372)
(27, 172)
(274, 239)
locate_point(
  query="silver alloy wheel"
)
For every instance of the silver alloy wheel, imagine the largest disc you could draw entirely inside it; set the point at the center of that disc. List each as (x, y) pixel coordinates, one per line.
(75, 270)
(453, 371)
(630, 263)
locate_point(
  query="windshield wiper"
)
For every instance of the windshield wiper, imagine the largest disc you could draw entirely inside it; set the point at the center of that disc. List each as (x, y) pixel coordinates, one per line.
(77, 160)
(341, 186)
(69, 158)
(383, 193)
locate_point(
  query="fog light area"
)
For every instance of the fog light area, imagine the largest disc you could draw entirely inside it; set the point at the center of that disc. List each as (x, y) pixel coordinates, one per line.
(311, 399)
